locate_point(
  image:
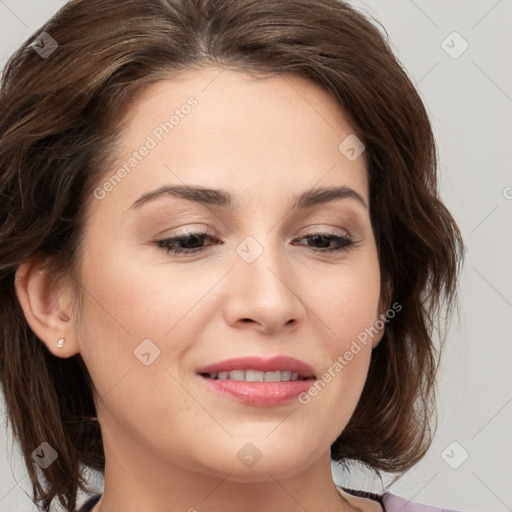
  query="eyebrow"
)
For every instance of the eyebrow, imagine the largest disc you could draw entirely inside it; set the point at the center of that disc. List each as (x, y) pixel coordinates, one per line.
(222, 198)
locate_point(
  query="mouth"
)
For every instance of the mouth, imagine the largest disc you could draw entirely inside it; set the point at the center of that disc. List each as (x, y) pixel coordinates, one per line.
(258, 382)
(257, 376)
(258, 369)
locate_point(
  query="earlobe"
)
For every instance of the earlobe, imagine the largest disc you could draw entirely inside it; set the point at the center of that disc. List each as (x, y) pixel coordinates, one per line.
(46, 310)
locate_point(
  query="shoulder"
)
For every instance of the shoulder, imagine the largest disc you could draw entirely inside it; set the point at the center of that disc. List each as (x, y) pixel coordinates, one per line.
(89, 504)
(393, 503)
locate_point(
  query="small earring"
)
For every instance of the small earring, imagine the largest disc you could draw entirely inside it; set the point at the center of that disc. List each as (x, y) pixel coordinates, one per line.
(60, 343)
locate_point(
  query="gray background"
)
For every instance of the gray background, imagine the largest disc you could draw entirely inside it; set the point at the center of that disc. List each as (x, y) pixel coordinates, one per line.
(469, 99)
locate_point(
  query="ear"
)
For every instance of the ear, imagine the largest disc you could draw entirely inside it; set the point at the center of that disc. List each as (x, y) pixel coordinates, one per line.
(46, 305)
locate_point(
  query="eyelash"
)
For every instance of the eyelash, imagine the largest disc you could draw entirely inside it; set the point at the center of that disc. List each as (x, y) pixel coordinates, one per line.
(346, 243)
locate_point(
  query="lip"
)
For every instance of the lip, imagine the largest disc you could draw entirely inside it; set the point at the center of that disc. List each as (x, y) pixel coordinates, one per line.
(272, 364)
(262, 394)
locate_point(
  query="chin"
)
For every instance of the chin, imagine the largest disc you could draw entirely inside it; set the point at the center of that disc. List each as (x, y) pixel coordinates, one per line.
(261, 460)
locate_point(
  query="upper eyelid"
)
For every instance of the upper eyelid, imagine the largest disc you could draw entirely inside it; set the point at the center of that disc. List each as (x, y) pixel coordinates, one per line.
(329, 212)
(311, 230)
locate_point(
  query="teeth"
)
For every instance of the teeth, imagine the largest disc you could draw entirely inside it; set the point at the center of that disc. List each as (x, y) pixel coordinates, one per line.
(255, 376)
(272, 376)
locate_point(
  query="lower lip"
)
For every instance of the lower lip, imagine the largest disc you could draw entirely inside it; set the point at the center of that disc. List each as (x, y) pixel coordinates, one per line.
(263, 394)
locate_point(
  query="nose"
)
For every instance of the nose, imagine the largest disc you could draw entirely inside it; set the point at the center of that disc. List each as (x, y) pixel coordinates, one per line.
(264, 294)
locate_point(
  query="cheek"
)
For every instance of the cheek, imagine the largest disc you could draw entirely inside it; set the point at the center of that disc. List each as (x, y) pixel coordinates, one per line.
(345, 302)
(115, 300)
(346, 299)
(134, 307)
(126, 314)
(131, 298)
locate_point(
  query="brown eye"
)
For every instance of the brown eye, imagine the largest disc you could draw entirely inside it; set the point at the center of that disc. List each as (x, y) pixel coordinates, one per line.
(175, 244)
(323, 240)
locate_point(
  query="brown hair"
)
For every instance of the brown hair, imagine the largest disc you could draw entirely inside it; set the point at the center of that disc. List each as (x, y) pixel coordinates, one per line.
(58, 132)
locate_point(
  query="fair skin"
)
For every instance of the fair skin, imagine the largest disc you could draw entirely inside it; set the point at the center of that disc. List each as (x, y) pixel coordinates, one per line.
(171, 443)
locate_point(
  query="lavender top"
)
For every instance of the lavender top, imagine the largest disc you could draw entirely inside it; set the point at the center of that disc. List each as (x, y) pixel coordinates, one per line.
(389, 502)
(392, 503)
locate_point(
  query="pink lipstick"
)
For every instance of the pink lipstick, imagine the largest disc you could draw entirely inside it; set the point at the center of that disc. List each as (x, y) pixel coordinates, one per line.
(258, 381)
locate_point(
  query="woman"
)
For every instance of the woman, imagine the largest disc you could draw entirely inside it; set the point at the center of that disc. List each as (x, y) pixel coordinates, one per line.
(223, 256)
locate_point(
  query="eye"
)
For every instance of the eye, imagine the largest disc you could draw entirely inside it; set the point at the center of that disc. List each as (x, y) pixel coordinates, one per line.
(343, 242)
(191, 239)
(193, 242)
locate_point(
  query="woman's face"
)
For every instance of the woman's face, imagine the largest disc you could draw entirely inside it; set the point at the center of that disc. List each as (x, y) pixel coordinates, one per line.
(262, 285)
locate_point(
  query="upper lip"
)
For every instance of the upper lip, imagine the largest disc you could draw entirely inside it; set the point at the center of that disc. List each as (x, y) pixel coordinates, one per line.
(272, 364)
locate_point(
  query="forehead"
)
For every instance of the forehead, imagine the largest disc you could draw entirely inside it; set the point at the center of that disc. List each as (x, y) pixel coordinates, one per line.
(224, 129)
